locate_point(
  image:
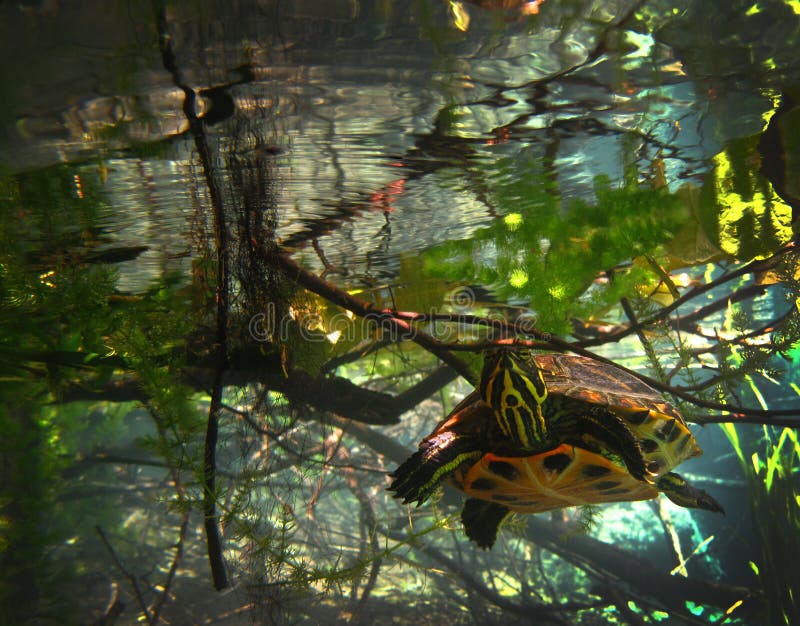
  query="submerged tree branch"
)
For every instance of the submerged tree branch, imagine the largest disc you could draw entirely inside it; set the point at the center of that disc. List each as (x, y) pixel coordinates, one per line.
(173, 570)
(735, 413)
(399, 328)
(197, 129)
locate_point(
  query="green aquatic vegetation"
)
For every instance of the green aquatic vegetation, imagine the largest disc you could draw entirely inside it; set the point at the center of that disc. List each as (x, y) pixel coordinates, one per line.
(541, 253)
(55, 319)
(69, 334)
(773, 479)
(772, 475)
(739, 209)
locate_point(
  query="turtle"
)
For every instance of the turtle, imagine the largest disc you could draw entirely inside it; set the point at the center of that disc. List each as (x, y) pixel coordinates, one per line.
(540, 401)
(472, 449)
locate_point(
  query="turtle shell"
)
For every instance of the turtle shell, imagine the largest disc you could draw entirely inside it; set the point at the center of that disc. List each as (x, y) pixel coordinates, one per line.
(562, 477)
(665, 438)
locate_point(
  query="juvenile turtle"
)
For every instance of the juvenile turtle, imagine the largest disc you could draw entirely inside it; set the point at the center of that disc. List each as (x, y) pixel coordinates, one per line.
(543, 400)
(477, 451)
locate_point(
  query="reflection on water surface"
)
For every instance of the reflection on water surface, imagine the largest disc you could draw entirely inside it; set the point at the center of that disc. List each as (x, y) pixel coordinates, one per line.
(382, 117)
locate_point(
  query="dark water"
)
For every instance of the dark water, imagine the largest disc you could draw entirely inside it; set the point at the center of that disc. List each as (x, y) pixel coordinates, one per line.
(390, 143)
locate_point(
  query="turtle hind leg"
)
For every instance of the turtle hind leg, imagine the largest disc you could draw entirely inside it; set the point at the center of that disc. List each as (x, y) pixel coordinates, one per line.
(482, 519)
(677, 489)
(614, 433)
(438, 457)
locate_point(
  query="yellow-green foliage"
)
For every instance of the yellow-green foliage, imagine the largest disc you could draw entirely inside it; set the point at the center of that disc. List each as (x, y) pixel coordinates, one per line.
(550, 255)
(773, 478)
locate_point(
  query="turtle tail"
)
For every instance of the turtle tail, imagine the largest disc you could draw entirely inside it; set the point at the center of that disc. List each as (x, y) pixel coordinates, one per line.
(437, 458)
(482, 519)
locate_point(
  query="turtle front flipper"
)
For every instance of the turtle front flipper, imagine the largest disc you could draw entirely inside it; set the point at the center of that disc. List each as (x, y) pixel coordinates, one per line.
(482, 519)
(677, 489)
(438, 457)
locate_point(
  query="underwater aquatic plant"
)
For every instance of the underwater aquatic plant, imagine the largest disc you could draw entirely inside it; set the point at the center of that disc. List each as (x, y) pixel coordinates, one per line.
(774, 496)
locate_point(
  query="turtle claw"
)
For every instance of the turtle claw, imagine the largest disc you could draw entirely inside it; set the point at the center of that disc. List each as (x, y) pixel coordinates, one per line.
(652, 472)
(408, 485)
(418, 477)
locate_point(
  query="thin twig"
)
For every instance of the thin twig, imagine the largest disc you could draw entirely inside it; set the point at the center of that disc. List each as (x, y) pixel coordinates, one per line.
(368, 526)
(173, 569)
(125, 572)
(671, 534)
(114, 608)
(176, 559)
(752, 267)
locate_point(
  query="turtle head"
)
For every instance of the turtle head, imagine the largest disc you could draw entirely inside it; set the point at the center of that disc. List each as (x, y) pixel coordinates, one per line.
(513, 386)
